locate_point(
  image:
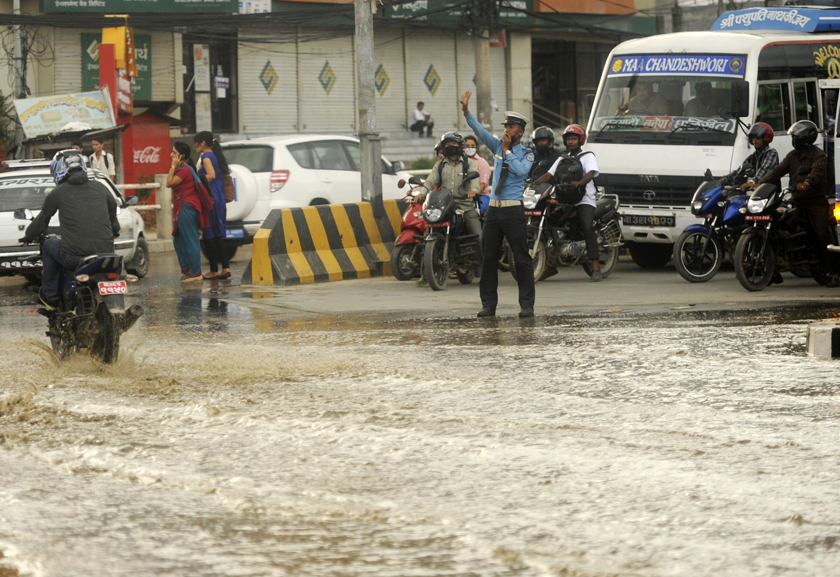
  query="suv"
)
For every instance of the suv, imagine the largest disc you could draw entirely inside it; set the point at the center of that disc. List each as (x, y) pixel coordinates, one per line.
(294, 171)
(26, 185)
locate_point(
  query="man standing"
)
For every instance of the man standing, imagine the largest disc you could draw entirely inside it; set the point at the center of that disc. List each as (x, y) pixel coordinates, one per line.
(102, 160)
(421, 119)
(506, 216)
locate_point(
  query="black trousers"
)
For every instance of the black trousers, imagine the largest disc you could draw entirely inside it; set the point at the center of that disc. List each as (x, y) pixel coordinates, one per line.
(586, 213)
(511, 223)
(421, 124)
(216, 252)
(820, 215)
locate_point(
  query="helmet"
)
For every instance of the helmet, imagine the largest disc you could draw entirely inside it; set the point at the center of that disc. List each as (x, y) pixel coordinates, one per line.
(803, 134)
(575, 129)
(455, 137)
(761, 130)
(543, 132)
(66, 162)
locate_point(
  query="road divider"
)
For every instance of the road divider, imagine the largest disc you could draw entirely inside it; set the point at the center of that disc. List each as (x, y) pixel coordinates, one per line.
(324, 243)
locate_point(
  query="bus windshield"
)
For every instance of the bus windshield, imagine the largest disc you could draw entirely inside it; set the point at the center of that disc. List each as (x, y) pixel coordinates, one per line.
(663, 95)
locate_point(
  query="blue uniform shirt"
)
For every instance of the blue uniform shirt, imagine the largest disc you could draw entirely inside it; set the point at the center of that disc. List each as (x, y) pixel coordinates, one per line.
(519, 163)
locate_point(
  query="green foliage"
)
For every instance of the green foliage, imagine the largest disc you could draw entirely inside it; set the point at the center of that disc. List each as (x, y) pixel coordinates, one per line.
(8, 117)
(423, 164)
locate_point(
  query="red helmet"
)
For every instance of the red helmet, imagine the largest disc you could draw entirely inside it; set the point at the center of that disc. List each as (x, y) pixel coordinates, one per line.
(761, 130)
(575, 129)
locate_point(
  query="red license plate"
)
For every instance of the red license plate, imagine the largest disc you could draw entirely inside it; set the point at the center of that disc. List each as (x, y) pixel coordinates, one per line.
(439, 224)
(117, 287)
(533, 212)
(757, 217)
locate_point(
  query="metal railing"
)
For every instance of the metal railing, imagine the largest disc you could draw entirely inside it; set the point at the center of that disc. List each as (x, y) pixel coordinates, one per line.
(557, 120)
(147, 186)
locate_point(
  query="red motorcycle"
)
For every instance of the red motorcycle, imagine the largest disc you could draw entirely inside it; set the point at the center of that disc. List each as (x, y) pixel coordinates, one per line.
(408, 248)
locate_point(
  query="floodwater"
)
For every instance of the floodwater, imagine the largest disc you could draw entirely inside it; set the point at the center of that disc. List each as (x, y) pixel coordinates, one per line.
(227, 444)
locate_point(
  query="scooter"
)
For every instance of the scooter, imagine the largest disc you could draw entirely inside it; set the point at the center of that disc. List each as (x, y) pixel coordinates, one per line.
(91, 313)
(407, 256)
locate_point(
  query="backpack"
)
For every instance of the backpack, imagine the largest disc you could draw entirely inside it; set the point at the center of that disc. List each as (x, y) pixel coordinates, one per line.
(569, 170)
(105, 154)
(465, 164)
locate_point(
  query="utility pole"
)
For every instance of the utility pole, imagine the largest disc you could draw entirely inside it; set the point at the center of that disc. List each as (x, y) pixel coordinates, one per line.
(481, 17)
(370, 146)
(18, 79)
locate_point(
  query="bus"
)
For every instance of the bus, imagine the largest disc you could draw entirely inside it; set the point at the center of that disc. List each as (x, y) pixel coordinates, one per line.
(670, 107)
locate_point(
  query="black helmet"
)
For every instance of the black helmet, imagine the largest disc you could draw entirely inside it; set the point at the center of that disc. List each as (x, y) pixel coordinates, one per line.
(454, 137)
(543, 132)
(803, 134)
(66, 162)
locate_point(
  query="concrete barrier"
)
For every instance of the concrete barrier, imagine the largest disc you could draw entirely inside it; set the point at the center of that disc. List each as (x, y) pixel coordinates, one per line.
(323, 243)
(824, 339)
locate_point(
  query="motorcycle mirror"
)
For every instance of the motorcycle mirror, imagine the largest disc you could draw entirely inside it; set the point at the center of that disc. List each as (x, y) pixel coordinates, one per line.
(708, 174)
(23, 214)
(471, 175)
(415, 180)
(132, 200)
(401, 183)
(749, 171)
(545, 163)
(803, 170)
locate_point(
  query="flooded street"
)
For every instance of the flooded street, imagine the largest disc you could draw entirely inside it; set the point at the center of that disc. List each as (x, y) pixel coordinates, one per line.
(228, 441)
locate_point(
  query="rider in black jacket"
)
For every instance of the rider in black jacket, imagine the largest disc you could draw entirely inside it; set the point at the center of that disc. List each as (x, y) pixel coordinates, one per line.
(543, 140)
(88, 222)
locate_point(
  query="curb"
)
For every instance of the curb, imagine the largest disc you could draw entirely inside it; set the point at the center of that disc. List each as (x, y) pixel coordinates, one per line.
(824, 340)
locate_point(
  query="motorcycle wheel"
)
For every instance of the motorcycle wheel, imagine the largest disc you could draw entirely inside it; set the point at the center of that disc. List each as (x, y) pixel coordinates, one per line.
(504, 263)
(649, 255)
(694, 261)
(60, 340)
(752, 269)
(608, 260)
(820, 277)
(437, 271)
(402, 267)
(540, 259)
(106, 337)
(466, 277)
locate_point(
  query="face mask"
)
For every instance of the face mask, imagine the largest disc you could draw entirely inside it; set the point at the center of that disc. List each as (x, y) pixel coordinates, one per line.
(450, 150)
(469, 151)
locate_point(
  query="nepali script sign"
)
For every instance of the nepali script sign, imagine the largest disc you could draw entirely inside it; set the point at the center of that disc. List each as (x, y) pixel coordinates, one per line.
(800, 20)
(694, 64)
(48, 115)
(141, 6)
(665, 123)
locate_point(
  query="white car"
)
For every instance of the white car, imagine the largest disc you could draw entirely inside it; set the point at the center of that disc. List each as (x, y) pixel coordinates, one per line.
(294, 171)
(26, 186)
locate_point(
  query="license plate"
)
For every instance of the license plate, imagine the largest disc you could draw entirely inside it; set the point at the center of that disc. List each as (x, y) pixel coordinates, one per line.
(757, 217)
(235, 233)
(20, 264)
(648, 220)
(533, 212)
(117, 287)
(439, 224)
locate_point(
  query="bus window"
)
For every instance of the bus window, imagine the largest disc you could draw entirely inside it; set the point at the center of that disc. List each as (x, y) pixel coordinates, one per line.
(805, 102)
(774, 106)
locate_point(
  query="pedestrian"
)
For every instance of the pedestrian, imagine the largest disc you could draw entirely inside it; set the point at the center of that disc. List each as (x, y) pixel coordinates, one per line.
(102, 160)
(188, 215)
(77, 146)
(213, 165)
(485, 175)
(421, 119)
(506, 216)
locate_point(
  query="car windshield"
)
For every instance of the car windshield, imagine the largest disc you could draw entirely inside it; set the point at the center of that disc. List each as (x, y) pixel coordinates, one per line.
(24, 192)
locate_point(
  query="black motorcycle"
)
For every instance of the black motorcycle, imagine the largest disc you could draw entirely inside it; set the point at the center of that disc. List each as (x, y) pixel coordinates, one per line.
(447, 245)
(555, 236)
(780, 239)
(91, 314)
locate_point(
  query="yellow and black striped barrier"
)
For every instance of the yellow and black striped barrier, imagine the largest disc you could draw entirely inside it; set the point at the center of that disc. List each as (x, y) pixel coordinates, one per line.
(324, 243)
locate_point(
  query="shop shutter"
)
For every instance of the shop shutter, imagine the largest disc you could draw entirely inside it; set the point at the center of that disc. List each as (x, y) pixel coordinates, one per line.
(327, 86)
(499, 80)
(68, 60)
(432, 79)
(268, 94)
(498, 76)
(389, 79)
(163, 66)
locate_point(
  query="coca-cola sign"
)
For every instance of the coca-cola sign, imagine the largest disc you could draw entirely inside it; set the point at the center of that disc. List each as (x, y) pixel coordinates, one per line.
(148, 155)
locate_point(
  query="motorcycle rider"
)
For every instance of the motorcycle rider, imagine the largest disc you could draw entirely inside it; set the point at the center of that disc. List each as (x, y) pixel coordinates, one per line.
(809, 191)
(545, 153)
(762, 161)
(88, 222)
(574, 137)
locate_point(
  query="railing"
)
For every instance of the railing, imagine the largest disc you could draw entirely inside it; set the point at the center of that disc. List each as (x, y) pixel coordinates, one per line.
(555, 119)
(147, 186)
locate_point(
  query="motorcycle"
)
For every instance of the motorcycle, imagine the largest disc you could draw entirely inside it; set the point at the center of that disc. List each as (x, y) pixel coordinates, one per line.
(447, 245)
(701, 248)
(555, 237)
(407, 256)
(91, 314)
(780, 239)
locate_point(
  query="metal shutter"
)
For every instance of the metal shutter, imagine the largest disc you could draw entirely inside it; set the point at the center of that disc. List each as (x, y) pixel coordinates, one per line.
(163, 66)
(389, 79)
(268, 94)
(498, 76)
(430, 64)
(327, 86)
(68, 59)
(499, 81)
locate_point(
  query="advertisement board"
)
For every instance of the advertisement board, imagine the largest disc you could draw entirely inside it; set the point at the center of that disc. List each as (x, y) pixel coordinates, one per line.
(141, 6)
(49, 114)
(143, 54)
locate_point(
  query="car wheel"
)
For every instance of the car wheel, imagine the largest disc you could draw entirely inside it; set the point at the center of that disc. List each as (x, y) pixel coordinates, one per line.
(139, 265)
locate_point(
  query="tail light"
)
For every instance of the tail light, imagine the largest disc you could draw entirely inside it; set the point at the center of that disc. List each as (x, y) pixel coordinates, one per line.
(837, 211)
(278, 179)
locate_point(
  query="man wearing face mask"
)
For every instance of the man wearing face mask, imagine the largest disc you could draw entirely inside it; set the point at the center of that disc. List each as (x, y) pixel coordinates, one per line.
(506, 216)
(545, 154)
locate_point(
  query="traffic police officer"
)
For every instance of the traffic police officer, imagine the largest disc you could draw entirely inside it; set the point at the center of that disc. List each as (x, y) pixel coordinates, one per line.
(506, 216)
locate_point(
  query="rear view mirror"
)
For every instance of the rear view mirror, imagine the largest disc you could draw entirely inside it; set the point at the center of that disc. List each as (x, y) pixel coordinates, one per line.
(132, 200)
(397, 166)
(23, 214)
(740, 98)
(708, 174)
(415, 180)
(471, 175)
(401, 183)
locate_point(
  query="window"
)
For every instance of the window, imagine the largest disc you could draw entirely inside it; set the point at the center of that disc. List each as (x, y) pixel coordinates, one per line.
(254, 158)
(774, 106)
(330, 155)
(805, 102)
(25, 192)
(353, 150)
(302, 154)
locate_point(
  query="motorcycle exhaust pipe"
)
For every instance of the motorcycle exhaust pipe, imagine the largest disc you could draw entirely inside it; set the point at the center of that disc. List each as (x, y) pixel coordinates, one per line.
(133, 313)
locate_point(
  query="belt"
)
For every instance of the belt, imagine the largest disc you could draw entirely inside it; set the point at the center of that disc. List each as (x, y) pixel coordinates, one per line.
(505, 203)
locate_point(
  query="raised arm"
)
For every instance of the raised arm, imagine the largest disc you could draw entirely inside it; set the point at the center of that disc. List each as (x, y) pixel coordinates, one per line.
(490, 141)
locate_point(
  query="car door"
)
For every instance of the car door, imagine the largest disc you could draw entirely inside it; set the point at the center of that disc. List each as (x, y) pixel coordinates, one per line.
(389, 180)
(335, 169)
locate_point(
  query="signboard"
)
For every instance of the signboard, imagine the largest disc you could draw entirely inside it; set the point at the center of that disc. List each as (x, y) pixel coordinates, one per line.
(800, 20)
(141, 6)
(254, 6)
(693, 64)
(143, 54)
(510, 11)
(125, 103)
(201, 67)
(665, 123)
(203, 112)
(48, 115)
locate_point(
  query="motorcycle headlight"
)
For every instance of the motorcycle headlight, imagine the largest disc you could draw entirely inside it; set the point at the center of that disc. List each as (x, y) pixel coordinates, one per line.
(529, 200)
(756, 205)
(432, 214)
(697, 206)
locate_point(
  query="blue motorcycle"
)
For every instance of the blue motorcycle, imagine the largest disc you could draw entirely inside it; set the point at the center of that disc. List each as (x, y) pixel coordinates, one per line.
(701, 248)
